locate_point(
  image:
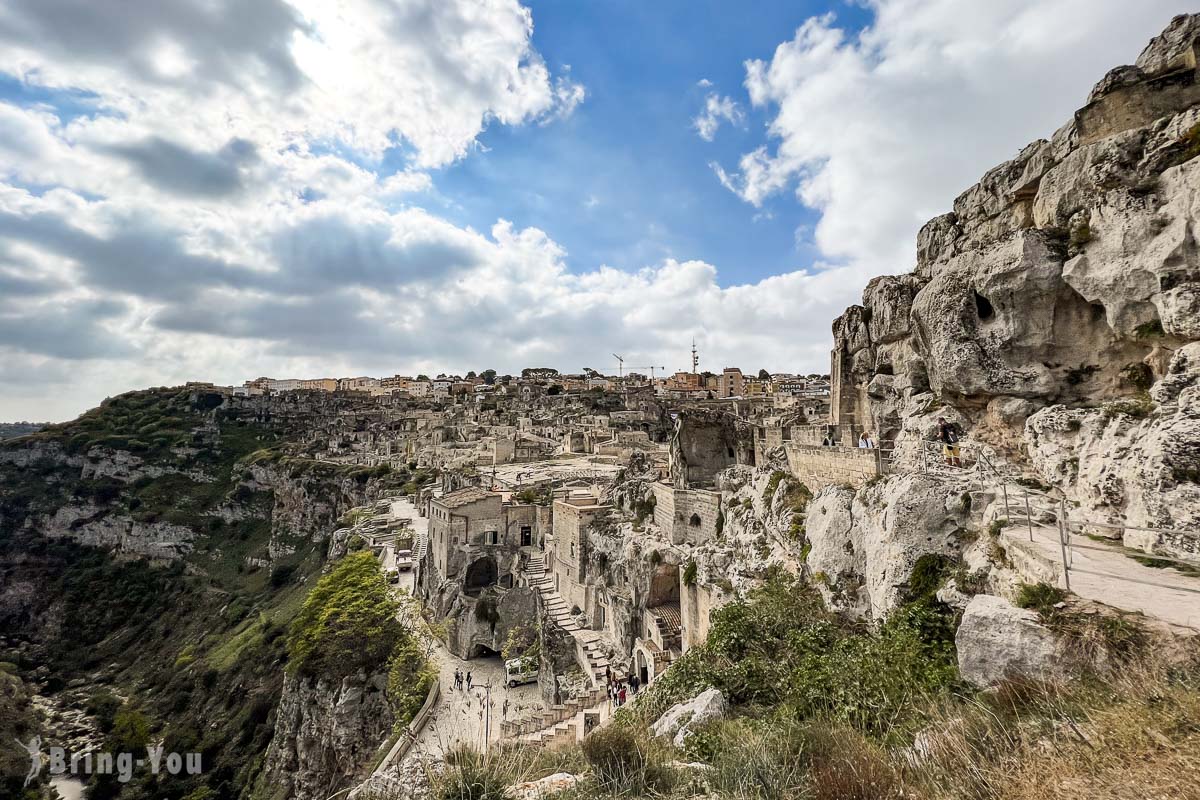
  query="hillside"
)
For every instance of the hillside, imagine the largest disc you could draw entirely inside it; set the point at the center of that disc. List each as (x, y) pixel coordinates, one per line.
(153, 554)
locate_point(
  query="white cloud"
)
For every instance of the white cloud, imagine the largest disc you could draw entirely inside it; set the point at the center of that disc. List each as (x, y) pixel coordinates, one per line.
(367, 74)
(716, 109)
(879, 132)
(214, 210)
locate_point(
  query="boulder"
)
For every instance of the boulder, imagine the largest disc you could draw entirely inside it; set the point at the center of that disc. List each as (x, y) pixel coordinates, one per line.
(997, 640)
(679, 720)
(543, 787)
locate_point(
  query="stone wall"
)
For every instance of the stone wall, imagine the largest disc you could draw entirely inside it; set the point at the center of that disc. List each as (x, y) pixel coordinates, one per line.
(688, 516)
(817, 466)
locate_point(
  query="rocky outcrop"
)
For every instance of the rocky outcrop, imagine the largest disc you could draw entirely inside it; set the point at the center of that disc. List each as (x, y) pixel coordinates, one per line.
(996, 640)
(866, 544)
(326, 733)
(1068, 276)
(681, 719)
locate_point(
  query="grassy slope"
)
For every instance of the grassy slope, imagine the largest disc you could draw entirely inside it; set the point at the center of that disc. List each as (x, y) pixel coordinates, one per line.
(197, 646)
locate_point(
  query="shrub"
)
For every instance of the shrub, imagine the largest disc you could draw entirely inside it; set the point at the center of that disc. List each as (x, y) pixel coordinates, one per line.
(410, 674)
(689, 574)
(625, 760)
(1136, 407)
(348, 621)
(1041, 597)
(1150, 330)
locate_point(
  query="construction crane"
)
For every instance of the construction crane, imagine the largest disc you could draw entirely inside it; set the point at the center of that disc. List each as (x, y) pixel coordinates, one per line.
(621, 368)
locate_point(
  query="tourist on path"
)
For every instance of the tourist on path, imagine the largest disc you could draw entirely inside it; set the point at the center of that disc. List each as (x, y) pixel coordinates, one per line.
(949, 436)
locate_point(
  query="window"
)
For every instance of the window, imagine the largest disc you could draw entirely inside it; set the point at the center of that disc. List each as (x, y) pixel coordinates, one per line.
(694, 521)
(526, 535)
(493, 537)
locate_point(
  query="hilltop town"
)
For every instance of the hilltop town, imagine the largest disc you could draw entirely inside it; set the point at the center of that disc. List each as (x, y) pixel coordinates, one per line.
(964, 563)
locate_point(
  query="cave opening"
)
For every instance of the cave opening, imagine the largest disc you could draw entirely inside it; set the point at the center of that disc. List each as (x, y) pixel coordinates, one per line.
(983, 307)
(480, 575)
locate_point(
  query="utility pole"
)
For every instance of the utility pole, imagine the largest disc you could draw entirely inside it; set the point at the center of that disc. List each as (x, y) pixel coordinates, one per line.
(695, 358)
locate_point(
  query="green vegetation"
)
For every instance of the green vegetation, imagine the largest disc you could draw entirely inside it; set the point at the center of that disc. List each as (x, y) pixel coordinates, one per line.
(1150, 330)
(1102, 736)
(689, 574)
(1190, 146)
(1139, 376)
(197, 645)
(643, 508)
(347, 623)
(1041, 597)
(781, 654)
(522, 642)
(1099, 636)
(19, 721)
(1137, 407)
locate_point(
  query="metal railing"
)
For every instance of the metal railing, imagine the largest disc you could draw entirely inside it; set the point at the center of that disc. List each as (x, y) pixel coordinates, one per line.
(1048, 508)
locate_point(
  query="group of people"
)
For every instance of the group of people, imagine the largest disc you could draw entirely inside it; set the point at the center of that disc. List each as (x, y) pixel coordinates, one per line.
(461, 680)
(865, 442)
(947, 433)
(620, 690)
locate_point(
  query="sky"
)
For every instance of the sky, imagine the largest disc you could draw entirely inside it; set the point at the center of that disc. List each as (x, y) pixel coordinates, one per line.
(222, 189)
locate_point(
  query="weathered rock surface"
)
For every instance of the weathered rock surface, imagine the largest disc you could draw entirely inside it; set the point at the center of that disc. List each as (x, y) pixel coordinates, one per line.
(1135, 464)
(325, 734)
(543, 787)
(681, 719)
(1068, 277)
(866, 544)
(997, 640)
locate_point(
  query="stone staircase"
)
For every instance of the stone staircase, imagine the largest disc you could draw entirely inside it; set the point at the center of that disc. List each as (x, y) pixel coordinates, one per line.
(563, 723)
(588, 641)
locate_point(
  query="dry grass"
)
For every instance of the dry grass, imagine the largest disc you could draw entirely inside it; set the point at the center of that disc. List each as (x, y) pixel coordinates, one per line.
(1134, 733)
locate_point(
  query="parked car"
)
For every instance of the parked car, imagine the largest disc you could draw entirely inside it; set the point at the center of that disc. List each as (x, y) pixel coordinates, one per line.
(404, 560)
(520, 670)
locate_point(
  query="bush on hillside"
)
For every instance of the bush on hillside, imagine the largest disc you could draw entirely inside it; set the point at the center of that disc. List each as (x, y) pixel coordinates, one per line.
(347, 623)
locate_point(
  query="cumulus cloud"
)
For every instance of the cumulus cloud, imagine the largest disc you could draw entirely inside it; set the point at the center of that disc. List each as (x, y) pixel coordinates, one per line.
(716, 109)
(217, 210)
(879, 131)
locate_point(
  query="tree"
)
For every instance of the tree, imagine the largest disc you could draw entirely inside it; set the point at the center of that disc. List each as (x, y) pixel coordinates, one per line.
(422, 377)
(471, 375)
(489, 376)
(763, 375)
(554, 389)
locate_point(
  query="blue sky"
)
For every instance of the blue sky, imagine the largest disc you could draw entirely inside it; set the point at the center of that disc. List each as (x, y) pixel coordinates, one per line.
(223, 189)
(630, 183)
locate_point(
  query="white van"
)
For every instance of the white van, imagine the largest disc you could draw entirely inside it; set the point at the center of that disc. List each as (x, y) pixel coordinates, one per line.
(520, 670)
(404, 560)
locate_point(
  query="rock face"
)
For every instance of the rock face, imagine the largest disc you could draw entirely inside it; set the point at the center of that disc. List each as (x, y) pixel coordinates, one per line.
(543, 787)
(997, 640)
(325, 735)
(865, 545)
(1127, 465)
(682, 718)
(1068, 276)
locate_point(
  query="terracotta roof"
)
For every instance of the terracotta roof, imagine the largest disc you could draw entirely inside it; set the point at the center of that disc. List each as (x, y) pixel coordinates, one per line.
(463, 497)
(669, 615)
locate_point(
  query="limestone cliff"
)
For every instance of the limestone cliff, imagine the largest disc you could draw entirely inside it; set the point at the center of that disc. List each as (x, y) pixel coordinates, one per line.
(1054, 312)
(326, 733)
